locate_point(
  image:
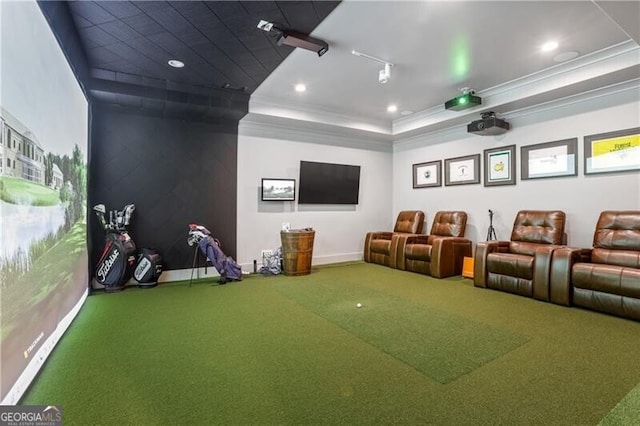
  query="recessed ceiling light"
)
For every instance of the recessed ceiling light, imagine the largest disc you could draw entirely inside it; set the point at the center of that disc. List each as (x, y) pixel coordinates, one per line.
(566, 56)
(176, 63)
(549, 46)
(392, 108)
(300, 88)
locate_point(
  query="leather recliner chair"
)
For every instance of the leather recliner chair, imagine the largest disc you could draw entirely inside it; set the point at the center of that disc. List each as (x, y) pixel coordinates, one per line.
(381, 247)
(522, 265)
(605, 278)
(439, 254)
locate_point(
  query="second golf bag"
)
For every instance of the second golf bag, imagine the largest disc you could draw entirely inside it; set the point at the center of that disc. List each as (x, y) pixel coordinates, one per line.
(228, 268)
(117, 260)
(148, 268)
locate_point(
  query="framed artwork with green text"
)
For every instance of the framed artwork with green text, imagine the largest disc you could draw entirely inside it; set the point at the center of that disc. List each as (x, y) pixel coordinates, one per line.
(500, 166)
(612, 152)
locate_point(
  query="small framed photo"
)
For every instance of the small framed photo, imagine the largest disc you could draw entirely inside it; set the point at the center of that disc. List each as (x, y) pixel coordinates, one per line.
(427, 175)
(462, 170)
(278, 189)
(549, 159)
(500, 166)
(612, 152)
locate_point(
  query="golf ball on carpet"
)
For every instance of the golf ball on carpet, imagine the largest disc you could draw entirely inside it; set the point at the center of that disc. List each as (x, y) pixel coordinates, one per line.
(358, 305)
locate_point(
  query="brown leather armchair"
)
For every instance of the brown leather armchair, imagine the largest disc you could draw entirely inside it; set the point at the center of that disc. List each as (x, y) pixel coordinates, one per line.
(380, 247)
(605, 278)
(522, 265)
(439, 254)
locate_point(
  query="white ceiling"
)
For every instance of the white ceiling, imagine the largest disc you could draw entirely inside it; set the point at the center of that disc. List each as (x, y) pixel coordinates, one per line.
(438, 47)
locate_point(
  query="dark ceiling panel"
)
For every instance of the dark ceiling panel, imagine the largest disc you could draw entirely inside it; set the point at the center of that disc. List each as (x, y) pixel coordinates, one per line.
(171, 20)
(144, 25)
(120, 9)
(80, 22)
(300, 15)
(257, 7)
(150, 49)
(95, 37)
(227, 9)
(129, 43)
(192, 9)
(101, 56)
(120, 30)
(91, 11)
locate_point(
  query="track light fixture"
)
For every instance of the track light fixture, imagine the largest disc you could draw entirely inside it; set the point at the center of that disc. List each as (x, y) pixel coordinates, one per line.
(384, 74)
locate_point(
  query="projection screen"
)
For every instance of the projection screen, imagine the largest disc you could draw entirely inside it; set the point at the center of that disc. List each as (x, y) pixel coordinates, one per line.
(43, 169)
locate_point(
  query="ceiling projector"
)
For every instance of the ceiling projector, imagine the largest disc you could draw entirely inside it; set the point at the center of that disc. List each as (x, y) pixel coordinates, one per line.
(488, 125)
(467, 100)
(294, 38)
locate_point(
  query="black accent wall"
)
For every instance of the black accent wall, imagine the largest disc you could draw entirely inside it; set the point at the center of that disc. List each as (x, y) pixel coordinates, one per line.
(176, 172)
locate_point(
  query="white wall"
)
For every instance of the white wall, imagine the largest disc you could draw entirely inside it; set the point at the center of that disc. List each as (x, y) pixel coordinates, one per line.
(581, 197)
(340, 230)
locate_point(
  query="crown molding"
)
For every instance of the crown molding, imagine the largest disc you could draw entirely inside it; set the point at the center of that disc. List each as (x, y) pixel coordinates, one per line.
(557, 78)
(614, 94)
(305, 112)
(283, 128)
(619, 93)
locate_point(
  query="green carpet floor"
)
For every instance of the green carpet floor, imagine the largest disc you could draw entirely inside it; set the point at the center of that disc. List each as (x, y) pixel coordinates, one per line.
(440, 344)
(296, 350)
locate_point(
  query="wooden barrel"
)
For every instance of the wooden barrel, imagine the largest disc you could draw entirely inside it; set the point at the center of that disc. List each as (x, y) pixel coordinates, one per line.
(297, 251)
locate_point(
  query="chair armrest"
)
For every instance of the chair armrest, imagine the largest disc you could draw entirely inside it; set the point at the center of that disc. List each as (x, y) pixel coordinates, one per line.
(417, 239)
(397, 250)
(447, 254)
(480, 260)
(560, 277)
(379, 235)
(382, 235)
(542, 271)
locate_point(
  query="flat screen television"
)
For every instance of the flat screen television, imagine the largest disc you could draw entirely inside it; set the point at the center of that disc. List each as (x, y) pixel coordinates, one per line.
(326, 183)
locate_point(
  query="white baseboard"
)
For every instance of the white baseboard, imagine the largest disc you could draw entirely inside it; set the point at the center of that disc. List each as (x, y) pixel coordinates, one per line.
(317, 260)
(210, 271)
(170, 276)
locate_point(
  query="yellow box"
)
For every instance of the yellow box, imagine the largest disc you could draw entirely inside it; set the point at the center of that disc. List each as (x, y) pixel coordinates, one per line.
(467, 267)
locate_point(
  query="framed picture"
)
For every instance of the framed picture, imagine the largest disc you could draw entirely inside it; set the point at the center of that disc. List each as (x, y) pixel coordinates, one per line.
(549, 159)
(427, 175)
(612, 152)
(278, 189)
(500, 166)
(462, 170)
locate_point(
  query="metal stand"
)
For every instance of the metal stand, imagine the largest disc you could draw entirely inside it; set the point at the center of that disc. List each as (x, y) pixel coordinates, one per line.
(491, 232)
(194, 266)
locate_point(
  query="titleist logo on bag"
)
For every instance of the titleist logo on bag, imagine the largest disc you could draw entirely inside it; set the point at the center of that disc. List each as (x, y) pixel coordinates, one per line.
(142, 269)
(104, 269)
